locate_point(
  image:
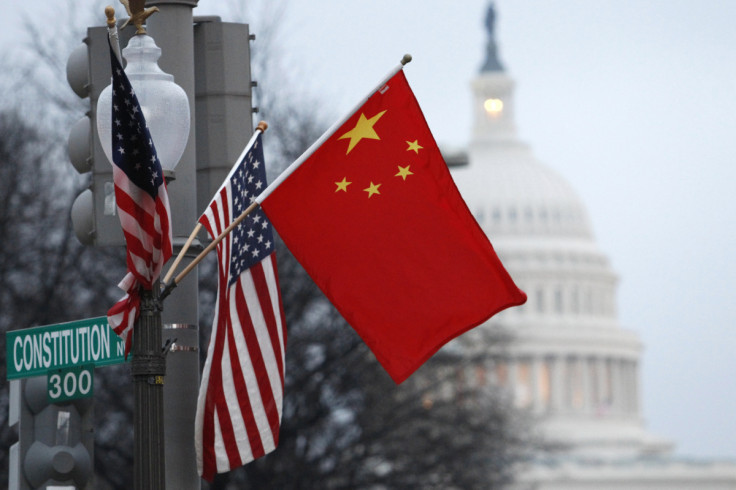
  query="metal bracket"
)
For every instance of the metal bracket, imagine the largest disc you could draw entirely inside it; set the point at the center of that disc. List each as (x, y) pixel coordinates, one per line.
(167, 346)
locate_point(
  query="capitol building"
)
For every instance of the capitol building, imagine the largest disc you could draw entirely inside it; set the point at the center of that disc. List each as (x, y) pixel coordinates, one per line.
(569, 361)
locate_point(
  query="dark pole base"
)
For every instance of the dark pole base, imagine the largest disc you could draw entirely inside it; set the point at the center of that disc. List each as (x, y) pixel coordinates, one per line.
(148, 368)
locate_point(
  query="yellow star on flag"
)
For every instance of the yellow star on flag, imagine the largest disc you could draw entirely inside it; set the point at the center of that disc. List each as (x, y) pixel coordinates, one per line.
(363, 129)
(414, 145)
(404, 172)
(343, 185)
(372, 189)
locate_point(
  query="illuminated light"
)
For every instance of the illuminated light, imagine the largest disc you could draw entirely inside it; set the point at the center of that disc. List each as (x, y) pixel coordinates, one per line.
(493, 106)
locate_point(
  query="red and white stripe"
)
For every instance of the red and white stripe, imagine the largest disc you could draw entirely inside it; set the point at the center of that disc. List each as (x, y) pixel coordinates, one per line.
(121, 317)
(242, 388)
(146, 224)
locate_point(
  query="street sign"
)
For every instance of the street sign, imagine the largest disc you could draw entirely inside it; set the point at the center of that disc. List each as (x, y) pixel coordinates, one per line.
(35, 351)
(70, 383)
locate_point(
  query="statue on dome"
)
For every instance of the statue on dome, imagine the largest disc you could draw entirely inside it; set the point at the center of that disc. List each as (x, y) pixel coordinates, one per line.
(492, 63)
(490, 20)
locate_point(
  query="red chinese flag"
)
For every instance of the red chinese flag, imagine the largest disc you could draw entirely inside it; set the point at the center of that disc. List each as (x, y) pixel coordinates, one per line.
(375, 218)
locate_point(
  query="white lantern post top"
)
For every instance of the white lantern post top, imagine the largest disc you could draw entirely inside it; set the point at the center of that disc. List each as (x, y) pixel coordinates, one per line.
(164, 104)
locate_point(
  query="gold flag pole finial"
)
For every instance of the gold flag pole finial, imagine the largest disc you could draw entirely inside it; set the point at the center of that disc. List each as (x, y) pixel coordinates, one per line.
(112, 30)
(110, 14)
(138, 14)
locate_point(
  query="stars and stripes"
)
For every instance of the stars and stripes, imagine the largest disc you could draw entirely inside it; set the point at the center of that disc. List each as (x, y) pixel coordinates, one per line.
(142, 201)
(241, 393)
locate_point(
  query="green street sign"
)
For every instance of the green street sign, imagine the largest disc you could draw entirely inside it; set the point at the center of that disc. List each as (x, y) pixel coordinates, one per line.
(70, 383)
(35, 351)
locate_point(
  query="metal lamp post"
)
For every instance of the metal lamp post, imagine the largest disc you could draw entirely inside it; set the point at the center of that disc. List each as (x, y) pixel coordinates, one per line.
(165, 106)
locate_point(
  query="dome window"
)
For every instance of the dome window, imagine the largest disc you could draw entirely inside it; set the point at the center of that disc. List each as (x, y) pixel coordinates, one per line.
(529, 215)
(479, 215)
(496, 215)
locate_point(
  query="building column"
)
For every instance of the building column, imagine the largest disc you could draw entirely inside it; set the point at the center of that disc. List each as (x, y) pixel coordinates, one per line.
(513, 375)
(601, 404)
(617, 387)
(635, 388)
(558, 384)
(586, 392)
(630, 382)
(536, 377)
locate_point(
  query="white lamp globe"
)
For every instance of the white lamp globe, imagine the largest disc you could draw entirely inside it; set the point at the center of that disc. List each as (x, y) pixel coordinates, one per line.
(164, 103)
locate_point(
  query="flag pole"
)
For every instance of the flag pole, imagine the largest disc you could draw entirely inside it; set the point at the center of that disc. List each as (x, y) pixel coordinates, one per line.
(169, 286)
(112, 31)
(183, 251)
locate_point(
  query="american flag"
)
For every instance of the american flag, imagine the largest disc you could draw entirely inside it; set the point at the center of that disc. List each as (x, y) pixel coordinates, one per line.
(241, 394)
(142, 201)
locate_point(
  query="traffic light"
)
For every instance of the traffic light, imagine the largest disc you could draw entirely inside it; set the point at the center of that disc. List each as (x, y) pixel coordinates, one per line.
(55, 441)
(223, 95)
(93, 213)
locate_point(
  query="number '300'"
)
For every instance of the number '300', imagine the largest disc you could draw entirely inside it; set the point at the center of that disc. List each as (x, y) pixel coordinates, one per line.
(71, 384)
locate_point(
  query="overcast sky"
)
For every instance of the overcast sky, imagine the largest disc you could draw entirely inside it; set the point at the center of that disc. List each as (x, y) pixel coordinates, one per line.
(632, 101)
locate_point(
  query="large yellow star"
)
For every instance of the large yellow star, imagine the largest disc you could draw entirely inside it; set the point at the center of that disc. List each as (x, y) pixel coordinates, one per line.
(363, 129)
(414, 145)
(372, 189)
(404, 172)
(343, 185)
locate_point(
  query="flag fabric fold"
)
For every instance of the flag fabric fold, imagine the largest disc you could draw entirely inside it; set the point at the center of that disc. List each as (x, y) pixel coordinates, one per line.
(123, 314)
(142, 202)
(373, 215)
(241, 393)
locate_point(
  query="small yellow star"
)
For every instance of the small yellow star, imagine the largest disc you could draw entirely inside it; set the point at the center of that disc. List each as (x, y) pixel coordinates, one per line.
(343, 185)
(404, 172)
(363, 129)
(414, 145)
(372, 189)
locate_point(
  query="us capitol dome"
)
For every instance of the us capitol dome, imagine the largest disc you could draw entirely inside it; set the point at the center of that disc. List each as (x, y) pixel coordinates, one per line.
(568, 361)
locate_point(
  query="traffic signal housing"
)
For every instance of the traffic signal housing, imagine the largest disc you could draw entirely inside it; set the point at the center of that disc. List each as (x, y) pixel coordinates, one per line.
(94, 214)
(55, 441)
